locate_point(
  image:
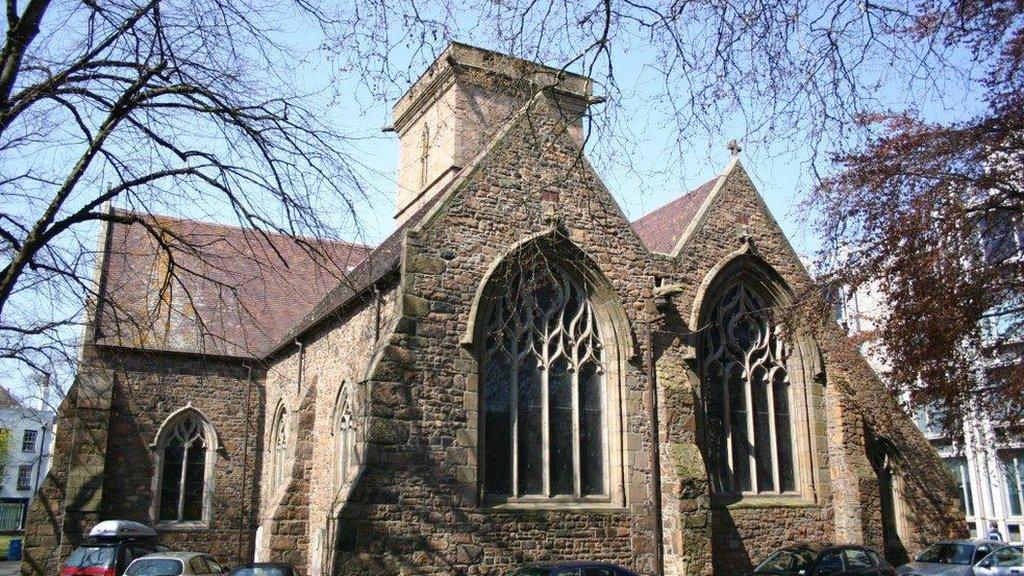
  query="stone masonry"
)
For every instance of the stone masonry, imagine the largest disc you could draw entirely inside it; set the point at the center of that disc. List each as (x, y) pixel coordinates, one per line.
(401, 338)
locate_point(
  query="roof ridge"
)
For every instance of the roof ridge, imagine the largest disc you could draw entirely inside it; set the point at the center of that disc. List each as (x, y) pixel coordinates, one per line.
(257, 232)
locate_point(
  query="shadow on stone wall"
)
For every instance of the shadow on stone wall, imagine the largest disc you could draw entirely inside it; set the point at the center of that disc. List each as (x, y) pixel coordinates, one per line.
(729, 553)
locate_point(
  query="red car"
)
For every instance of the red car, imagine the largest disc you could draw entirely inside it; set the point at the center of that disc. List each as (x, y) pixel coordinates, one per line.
(111, 547)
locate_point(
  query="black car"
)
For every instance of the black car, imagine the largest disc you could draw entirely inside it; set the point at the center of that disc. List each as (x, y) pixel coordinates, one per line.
(823, 559)
(264, 569)
(570, 568)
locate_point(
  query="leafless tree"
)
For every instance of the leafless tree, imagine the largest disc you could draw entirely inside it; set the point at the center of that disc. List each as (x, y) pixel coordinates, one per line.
(154, 105)
(177, 101)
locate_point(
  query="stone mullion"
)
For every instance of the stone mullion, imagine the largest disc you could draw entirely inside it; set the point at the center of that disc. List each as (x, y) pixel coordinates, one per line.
(576, 462)
(545, 420)
(770, 388)
(514, 360)
(181, 483)
(751, 447)
(730, 479)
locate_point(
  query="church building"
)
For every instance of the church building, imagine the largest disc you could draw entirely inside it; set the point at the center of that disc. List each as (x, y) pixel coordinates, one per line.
(518, 373)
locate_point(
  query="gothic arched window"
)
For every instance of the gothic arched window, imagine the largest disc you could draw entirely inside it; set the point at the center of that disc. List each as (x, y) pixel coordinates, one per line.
(185, 457)
(279, 444)
(543, 389)
(344, 437)
(747, 389)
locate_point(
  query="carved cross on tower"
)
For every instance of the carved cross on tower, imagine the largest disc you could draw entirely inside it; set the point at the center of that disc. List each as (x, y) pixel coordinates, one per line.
(734, 147)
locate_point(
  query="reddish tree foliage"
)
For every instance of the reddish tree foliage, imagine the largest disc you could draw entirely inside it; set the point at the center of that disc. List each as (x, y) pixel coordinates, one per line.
(930, 216)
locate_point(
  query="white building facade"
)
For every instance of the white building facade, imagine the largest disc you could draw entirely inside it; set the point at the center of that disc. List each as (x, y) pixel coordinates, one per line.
(28, 437)
(989, 466)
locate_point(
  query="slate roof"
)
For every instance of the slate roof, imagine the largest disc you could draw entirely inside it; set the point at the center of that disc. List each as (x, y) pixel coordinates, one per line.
(235, 291)
(662, 228)
(249, 294)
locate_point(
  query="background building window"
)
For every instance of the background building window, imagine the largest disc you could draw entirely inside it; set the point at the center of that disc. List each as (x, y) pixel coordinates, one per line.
(750, 431)
(958, 466)
(184, 469)
(28, 441)
(543, 389)
(1002, 236)
(25, 477)
(1013, 474)
(10, 515)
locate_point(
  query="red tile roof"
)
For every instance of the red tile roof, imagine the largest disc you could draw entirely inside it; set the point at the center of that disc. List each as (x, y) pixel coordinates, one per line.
(235, 291)
(662, 228)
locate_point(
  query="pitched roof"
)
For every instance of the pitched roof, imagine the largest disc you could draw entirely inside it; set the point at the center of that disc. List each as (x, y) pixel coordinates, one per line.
(662, 228)
(232, 291)
(378, 264)
(7, 400)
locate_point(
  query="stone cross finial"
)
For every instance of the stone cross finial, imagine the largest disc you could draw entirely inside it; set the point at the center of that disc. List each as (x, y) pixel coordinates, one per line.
(734, 147)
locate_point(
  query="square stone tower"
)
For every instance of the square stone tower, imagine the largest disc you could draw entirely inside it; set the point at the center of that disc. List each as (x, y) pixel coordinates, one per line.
(458, 104)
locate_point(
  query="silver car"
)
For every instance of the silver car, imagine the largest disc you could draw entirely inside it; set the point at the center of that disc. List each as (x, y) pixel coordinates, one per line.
(1007, 561)
(955, 558)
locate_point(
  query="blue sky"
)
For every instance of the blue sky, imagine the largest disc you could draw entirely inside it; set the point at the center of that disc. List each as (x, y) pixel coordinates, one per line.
(638, 155)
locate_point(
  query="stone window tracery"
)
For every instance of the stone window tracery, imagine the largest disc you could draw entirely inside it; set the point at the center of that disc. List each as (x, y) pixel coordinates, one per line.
(543, 386)
(279, 457)
(344, 437)
(748, 389)
(185, 458)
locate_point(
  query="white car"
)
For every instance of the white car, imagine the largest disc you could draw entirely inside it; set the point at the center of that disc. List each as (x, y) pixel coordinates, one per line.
(174, 564)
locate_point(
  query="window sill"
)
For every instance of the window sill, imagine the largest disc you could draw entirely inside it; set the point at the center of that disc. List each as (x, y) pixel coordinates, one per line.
(182, 526)
(756, 502)
(554, 506)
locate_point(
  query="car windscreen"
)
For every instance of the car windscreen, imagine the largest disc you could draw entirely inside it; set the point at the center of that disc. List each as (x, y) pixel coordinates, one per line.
(154, 567)
(786, 561)
(948, 553)
(93, 557)
(260, 571)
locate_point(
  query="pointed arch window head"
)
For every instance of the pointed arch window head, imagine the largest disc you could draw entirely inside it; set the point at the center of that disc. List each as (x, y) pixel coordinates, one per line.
(747, 388)
(186, 451)
(344, 437)
(543, 389)
(279, 444)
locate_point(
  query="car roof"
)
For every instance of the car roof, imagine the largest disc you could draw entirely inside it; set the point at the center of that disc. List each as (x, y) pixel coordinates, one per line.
(974, 542)
(813, 546)
(175, 555)
(553, 564)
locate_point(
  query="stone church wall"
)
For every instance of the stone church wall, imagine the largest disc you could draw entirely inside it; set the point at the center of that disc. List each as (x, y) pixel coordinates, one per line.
(845, 398)
(417, 508)
(148, 387)
(338, 354)
(104, 465)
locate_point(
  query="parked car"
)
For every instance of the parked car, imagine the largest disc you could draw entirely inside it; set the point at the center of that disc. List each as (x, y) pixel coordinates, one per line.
(824, 559)
(570, 568)
(111, 547)
(951, 558)
(264, 569)
(1008, 561)
(175, 564)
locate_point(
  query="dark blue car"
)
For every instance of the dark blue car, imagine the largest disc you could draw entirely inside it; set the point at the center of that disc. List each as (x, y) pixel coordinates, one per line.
(568, 568)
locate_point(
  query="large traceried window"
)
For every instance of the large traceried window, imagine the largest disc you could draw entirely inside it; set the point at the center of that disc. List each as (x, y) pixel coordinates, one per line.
(185, 459)
(747, 389)
(279, 447)
(344, 437)
(543, 388)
